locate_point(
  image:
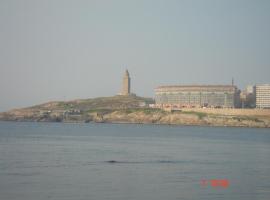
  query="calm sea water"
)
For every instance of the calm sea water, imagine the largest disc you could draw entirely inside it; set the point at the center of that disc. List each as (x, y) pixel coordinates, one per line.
(150, 162)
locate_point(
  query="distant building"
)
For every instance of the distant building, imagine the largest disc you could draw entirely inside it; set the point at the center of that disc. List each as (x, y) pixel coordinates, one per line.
(248, 97)
(126, 84)
(263, 96)
(250, 89)
(223, 96)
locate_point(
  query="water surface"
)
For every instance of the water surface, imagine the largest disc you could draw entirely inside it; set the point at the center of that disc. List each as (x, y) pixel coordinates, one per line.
(127, 161)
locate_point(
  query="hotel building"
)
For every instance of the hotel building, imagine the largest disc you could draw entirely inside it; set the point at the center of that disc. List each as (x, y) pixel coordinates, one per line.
(223, 96)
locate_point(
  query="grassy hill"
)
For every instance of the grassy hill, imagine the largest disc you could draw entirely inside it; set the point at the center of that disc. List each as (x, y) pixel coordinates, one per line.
(76, 110)
(114, 102)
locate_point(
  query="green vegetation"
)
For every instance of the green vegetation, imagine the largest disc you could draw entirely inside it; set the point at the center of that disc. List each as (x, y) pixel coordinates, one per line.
(111, 103)
(199, 114)
(152, 110)
(144, 110)
(127, 110)
(107, 103)
(66, 105)
(100, 111)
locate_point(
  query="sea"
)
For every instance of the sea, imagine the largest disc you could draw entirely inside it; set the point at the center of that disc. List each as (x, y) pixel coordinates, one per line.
(92, 161)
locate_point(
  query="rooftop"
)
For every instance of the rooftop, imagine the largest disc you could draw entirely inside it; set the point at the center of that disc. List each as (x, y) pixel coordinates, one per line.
(202, 86)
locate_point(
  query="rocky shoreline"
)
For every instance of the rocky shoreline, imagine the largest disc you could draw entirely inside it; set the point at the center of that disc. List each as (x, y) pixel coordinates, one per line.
(140, 116)
(134, 109)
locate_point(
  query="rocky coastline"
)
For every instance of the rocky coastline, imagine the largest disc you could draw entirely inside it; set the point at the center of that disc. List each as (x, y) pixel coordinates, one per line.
(142, 116)
(135, 110)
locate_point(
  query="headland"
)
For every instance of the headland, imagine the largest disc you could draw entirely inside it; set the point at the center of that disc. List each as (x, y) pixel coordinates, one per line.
(135, 109)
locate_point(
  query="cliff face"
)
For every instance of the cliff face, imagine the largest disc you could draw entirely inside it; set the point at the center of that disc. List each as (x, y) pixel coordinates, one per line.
(133, 109)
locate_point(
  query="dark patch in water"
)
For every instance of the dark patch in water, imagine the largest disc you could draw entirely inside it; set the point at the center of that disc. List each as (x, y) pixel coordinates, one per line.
(111, 161)
(123, 162)
(144, 162)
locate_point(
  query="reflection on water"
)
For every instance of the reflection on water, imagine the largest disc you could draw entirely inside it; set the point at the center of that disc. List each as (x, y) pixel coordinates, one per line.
(113, 161)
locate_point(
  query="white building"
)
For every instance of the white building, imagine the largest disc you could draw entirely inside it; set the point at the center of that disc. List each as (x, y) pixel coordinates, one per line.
(263, 96)
(250, 89)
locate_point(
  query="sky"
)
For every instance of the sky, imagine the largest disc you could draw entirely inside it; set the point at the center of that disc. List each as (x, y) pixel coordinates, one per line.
(64, 50)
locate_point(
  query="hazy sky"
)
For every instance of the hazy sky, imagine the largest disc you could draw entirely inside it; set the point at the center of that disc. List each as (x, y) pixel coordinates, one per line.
(64, 50)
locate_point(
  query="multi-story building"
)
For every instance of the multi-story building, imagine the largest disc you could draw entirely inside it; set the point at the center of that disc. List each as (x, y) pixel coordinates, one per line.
(263, 96)
(248, 97)
(250, 89)
(226, 96)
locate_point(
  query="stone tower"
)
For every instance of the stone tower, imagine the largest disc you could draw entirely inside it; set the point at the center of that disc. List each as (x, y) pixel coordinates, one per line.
(126, 84)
